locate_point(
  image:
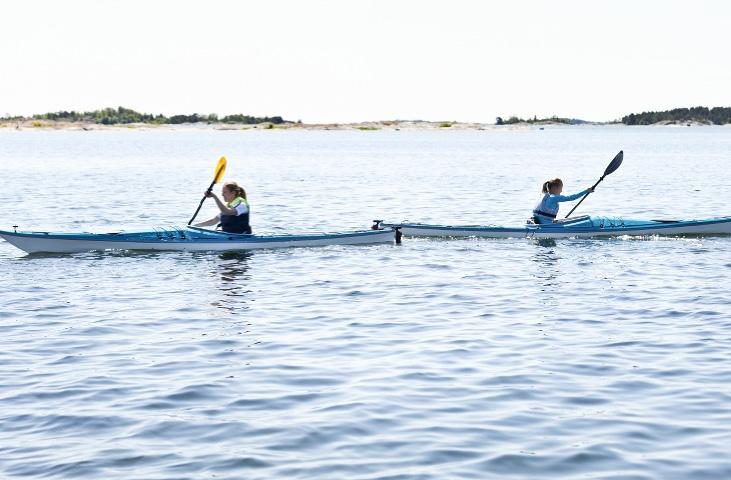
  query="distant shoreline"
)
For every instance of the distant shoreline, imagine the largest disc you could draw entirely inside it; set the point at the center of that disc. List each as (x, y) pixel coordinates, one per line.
(129, 119)
(395, 125)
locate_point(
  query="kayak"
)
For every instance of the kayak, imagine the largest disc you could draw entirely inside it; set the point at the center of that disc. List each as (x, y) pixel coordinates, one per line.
(185, 238)
(581, 227)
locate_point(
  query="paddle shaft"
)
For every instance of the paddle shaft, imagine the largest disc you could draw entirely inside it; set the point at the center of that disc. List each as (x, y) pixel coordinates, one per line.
(204, 199)
(587, 194)
(613, 166)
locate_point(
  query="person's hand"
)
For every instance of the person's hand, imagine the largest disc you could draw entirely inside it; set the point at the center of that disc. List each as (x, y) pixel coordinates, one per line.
(208, 194)
(591, 189)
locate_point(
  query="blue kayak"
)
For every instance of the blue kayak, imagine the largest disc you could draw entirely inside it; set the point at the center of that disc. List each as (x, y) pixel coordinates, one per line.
(184, 238)
(585, 226)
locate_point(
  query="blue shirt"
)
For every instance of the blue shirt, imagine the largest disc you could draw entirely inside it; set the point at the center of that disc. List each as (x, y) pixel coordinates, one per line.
(547, 209)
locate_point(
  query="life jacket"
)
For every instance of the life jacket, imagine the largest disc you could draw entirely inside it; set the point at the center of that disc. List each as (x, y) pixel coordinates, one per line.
(544, 210)
(236, 223)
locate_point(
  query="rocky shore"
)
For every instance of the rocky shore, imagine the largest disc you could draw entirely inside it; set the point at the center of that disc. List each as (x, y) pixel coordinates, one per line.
(32, 124)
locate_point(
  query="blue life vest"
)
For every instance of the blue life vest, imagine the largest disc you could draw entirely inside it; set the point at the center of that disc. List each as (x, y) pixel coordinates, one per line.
(547, 209)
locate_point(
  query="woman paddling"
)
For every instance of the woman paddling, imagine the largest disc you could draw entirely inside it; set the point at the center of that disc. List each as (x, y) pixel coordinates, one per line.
(547, 209)
(234, 216)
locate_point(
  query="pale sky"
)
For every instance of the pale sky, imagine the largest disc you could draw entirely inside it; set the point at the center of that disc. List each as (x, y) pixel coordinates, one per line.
(328, 60)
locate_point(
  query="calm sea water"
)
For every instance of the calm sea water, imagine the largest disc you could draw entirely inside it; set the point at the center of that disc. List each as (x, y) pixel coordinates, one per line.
(437, 359)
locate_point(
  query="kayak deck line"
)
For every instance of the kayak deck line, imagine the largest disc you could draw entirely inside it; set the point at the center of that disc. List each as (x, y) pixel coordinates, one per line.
(192, 239)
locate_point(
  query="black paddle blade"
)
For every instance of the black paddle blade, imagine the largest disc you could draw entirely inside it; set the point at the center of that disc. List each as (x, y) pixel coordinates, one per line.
(614, 164)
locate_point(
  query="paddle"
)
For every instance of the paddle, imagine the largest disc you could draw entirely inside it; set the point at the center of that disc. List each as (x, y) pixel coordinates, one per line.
(613, 165)
(220, 168)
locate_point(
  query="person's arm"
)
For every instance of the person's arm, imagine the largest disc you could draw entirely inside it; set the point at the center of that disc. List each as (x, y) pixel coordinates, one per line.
(568, 198)
(208, 223)
(221, 206)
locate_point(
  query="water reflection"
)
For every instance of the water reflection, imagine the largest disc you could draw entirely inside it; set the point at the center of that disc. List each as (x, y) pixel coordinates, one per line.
(233, 270)
(545, 242)
(234, 266)
(546, 274)
(546, 259)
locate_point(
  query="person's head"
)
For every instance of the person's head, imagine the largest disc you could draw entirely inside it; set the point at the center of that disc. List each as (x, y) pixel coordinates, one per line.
(554, 186)
(231, 190)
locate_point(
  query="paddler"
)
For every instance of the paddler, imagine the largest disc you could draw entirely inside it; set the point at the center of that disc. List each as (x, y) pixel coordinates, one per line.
(234, 216)
(547, 209)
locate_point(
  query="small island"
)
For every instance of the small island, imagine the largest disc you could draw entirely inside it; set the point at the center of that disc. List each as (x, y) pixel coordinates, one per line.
(676, 116)
(554, 120)
(129, 117)
(681, 116)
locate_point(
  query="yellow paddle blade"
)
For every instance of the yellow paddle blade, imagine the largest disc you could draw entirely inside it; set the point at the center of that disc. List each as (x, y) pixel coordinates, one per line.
(220, 168)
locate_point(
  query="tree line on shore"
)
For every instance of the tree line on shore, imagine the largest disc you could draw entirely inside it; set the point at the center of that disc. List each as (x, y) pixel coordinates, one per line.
(711, 116)
(715, 116)
(121, 115)
(554, 119)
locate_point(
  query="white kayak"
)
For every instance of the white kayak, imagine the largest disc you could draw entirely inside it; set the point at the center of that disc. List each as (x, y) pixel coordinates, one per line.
(185, 238)
(577, 227)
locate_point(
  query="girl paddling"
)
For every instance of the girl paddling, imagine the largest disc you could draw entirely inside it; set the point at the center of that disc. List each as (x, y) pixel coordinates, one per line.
(234, 216)
(547, 209)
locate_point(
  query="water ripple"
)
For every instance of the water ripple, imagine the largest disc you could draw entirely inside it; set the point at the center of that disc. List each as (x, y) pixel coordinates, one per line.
(469, 359)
